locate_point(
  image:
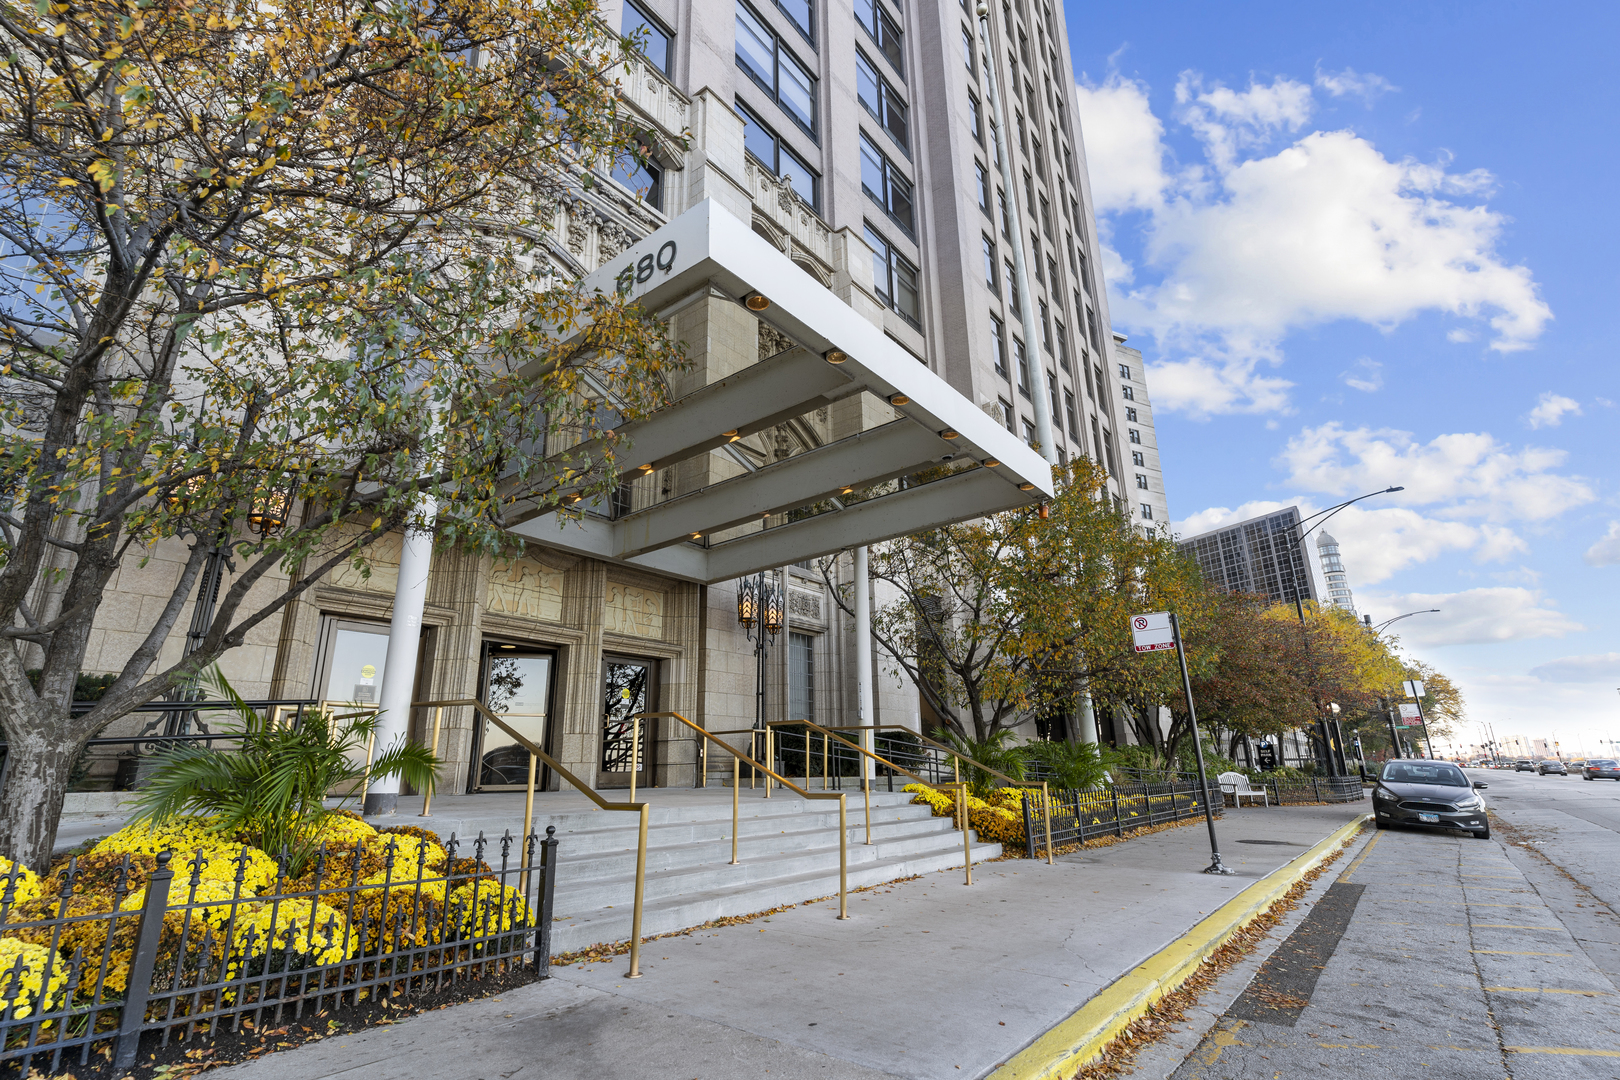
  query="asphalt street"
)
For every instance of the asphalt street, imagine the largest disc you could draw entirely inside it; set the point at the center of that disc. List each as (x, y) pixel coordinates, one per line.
(1440, 954)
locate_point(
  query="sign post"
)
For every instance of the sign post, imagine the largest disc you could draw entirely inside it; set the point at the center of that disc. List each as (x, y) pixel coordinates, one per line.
(1414, 690)
(1155, 632)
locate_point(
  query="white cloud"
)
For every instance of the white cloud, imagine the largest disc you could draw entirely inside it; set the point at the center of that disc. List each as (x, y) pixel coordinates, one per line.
(1550, 410)
(1366, 375)
(1606, 552)
(1579, 669)
(1470, 474)
(1257, 242)
(1350, 82)
(1120, 129)
(1459, 336)
(1472, 617)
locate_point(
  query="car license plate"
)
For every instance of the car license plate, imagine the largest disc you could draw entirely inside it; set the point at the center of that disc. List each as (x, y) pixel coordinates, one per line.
(1429, 819)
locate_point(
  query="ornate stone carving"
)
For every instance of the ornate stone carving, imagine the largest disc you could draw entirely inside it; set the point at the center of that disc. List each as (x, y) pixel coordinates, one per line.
(633, 611)
(525, 588)
(383, 556)
(772, 340)
(611, 240)
(804, 605)
(578, 228)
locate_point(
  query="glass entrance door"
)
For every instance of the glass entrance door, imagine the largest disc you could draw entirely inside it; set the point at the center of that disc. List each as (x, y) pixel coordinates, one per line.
(628, 687)
(516, 685)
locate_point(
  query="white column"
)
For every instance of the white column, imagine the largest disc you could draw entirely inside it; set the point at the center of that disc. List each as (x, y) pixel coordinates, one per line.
(1088, 717)
(863, 655)
(404, 641)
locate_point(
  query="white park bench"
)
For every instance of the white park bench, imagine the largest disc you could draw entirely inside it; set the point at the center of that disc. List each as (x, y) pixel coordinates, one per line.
(1237, 785)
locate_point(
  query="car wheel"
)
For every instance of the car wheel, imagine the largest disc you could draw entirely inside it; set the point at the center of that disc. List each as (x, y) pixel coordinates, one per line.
(1586, 778)
(1483, 834)
(1380, 824)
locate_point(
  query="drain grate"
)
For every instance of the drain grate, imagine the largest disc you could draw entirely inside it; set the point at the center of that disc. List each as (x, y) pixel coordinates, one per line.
(1277, 843)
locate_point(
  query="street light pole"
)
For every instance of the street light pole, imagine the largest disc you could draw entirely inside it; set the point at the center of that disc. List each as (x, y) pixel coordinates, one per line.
(1299, 609)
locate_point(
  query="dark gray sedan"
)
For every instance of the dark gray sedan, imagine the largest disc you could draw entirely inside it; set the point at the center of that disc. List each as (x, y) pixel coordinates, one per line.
(1430, 794)
(1601, 769)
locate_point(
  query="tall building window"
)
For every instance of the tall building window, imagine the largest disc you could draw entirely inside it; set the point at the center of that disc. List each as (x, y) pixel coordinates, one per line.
(989, 262)
(1029, 433)
(643, 177)
(1147, 511)
(880, 99)
(1130, 414)
(1046, 327)
(764, 144)
(884, 31)
(1021, 359)
(1052, 274)
(982, 175)
(884, 185)
(998, 341)
(1008, 417)
(1124, 371)
(1070, 417)
(1006, 227)
(1141, 481)
(895, 278)
(801, 677)
(1135, 436)
(1012, 287)
(1136, 458)
(967, 53)
(1035, 244)
(1052, 398)
(1129, 392)
(653, 39)
(778, 72)
(1063, 345)
(975, 119)
(801, 13)
(1096, 342)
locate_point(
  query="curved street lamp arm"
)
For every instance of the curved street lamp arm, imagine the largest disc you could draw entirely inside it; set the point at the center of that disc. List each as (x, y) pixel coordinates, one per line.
(1426, 611)
(1330, 511)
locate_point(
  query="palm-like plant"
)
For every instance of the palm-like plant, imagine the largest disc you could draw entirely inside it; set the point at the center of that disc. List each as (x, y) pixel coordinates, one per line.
(272, 790)
(991, 753)
(1068, 766)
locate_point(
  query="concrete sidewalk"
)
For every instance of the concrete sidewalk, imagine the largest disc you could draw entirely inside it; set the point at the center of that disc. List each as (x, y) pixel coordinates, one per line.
(928, 978)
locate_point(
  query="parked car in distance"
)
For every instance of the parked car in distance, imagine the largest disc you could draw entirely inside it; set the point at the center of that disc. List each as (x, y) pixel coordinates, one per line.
(1429, 793)
(1524, 765)
(1601, 769)
(1551, 765)
(1574, 765)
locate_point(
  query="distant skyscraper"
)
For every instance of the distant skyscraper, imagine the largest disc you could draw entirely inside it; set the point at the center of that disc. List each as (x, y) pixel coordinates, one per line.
(1144, 477)
(1262, 555)
(1338, 582)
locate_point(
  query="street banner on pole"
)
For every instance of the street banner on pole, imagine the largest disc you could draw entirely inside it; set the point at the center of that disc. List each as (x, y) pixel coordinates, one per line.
(1413, 688)
(1152, 631)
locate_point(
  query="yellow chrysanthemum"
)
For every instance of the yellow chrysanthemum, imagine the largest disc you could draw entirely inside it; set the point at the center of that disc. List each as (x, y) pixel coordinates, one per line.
(181, 835)
(409, 852)
(31, 978)
(25, 886)
(340, 828)
(482, 908)
(314, 931)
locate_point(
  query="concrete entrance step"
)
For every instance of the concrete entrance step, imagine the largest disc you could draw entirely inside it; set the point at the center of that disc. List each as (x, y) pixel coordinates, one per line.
(694, 908)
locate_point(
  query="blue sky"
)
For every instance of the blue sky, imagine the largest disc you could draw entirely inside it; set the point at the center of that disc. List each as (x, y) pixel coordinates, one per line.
(1374, 244)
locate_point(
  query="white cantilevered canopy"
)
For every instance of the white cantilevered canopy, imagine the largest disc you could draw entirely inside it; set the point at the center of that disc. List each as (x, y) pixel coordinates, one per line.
(708, 250)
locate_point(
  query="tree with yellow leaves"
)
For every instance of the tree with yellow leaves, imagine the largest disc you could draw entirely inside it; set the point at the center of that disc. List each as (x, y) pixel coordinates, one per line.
(280, 265)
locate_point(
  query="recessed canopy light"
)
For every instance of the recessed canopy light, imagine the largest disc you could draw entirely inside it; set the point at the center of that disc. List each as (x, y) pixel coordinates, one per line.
(948, 434)
(645, 469)
(991, 463)
(846, 491)
(899, 399)
(756, 302)
(1026, 487)
(835, 356)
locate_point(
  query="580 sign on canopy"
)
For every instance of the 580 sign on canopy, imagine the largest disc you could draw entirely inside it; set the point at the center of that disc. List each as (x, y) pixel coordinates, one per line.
(640, 271)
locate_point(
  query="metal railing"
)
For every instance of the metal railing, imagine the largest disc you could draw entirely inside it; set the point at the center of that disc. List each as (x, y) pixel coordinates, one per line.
(932, 751)
(536, 754)
(104, 961)
(1123, 807)
(738, 758)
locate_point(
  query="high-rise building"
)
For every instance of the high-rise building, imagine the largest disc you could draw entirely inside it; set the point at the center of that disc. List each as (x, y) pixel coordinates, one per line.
(1263, 555)
(1150, 506)
(1333, 573)
(860, 142)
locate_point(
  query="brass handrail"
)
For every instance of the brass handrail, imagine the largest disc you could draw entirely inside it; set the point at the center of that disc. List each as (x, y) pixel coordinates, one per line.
(961, 788)
(843, 819)
(537, 754)
(1046, 801)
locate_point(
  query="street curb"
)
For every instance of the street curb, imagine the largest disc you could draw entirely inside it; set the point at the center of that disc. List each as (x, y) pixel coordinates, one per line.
(1081, 1037)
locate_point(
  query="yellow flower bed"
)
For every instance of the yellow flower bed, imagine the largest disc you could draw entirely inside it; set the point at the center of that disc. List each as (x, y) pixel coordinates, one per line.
(26, 886)
(35, 986)
(319, 933)
(409, 853)
(341, 828)
(183, 836)
(1000, 819)
(494, 909)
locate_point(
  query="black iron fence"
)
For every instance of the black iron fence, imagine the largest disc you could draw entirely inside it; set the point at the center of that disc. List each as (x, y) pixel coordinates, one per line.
(1079, 816)
(1322, 789)
(113, 953)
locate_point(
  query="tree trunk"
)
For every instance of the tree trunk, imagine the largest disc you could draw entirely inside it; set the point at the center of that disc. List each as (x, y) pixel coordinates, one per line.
(39, 762)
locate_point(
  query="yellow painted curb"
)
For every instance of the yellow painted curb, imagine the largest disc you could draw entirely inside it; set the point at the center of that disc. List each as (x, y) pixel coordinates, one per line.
(1082, 1036)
